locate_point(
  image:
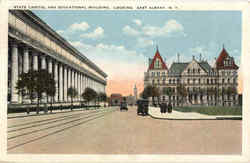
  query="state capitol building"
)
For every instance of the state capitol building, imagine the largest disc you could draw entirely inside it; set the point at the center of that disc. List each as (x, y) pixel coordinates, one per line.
(203, 83)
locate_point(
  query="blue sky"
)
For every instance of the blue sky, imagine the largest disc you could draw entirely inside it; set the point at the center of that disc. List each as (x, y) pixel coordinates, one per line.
(120, 42)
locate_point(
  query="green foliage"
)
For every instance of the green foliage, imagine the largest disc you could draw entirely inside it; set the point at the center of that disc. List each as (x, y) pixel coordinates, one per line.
(72, 92)
(102, 96)
(212, 110)
(150, 91)
(89, 94)
(167, 91)
(34, 83)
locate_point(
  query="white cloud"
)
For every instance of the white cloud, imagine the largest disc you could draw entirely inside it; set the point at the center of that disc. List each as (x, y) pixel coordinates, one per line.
(171, 28)
(97, 33)
(130, 31)
(143, 42)
(83, 26)
(137, 22)
(60, 31)
(117, 61)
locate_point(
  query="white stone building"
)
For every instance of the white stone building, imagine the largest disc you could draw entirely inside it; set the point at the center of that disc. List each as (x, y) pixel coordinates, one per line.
(34, 45)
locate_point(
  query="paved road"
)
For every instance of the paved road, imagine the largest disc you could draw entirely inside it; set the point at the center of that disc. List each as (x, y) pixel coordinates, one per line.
(110, 131)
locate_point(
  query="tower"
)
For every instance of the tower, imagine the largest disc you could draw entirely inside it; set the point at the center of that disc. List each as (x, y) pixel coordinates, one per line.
(135, 92)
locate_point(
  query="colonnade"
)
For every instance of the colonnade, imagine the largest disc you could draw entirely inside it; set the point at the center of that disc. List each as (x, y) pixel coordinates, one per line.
(23, 58)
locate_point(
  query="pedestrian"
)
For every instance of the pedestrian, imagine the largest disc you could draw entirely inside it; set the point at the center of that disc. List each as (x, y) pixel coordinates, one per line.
(169, 108)
(161, 108)
(164, 107)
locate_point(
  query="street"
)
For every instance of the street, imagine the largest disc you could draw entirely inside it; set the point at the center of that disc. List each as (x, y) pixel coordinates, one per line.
(110, 131)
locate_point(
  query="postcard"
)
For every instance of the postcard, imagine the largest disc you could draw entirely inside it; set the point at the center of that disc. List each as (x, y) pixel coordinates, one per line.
(124, 81)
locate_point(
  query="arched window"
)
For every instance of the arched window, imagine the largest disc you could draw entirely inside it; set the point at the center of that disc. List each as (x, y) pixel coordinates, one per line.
(169, 81)
(199, 80)
(223, 80)
(207, 81)
(188, 80)
(228, 80)
(173, 80)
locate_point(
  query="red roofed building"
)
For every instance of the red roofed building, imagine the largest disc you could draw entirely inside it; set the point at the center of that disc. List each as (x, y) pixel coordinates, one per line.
(205, 85)
(157, 62)
(224, 61)
(157, 70)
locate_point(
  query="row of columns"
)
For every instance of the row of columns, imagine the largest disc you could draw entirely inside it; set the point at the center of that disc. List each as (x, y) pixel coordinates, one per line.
(64, 75)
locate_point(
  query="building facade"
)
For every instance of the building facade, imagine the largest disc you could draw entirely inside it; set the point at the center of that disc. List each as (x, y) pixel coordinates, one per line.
(195, 82)
(34, 45)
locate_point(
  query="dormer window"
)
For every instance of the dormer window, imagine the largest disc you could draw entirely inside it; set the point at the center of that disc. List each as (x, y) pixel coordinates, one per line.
(157, 63)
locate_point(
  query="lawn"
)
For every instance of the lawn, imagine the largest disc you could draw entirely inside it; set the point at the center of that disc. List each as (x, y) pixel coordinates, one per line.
(212, 110)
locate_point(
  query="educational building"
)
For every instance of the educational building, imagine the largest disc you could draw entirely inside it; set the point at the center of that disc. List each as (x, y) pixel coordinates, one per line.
(34, 45)
(195, 82)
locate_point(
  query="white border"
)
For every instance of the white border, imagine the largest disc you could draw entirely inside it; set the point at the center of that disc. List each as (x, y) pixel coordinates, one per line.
(240, 5)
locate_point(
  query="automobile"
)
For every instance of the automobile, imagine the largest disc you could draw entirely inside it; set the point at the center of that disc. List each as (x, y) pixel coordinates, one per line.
(142, 107)
(124, 106)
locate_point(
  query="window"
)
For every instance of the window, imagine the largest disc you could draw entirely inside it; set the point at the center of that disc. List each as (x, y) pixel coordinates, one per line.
(199, 70)
(158, 73)
(188, 81)
(169, 81)
(223, 80)
(163, 73)
(153, 81)
(188, 71)
(211, 81)
(193, 70)
(153, 74)
(207, 81)
(234, 80)
(199, 80)
(228, 80)
(193, 81)
(173, 80)
(158, 81)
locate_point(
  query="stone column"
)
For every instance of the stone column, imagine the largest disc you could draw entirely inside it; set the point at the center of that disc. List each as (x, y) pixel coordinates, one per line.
(60, 83)
(65, 84)
(79, 86)
(25, 60)
(80, 94)
(73, 80)
(43, 67)
(14, 73)
(50, 71)
(20, 70)
(56, 80)
(35, 61)
(26, 67)
(69, 81)
(76, 85)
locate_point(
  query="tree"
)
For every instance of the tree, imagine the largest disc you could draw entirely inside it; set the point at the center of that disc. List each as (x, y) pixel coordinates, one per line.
(72, 93)
(89, 94)
(51, 90)
(26, 85)
(182, 92)
(151, 91)
(35, 83)
(102, 96)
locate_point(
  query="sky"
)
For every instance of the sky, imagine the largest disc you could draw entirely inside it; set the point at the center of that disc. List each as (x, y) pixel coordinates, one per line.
(120, 42)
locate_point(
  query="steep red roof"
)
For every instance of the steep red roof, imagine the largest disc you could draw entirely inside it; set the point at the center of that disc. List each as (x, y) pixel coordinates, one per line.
(220, 61)
(157, 55)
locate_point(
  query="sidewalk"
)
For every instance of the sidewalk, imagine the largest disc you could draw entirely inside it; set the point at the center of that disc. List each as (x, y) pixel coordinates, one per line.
(41, 113)
(154, 112)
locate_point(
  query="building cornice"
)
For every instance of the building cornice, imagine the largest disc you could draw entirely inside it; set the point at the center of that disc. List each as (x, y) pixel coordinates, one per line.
(24, 14)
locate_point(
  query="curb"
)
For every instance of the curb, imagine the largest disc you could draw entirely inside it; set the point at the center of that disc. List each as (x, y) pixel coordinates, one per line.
(217, 118)
(42, 114)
